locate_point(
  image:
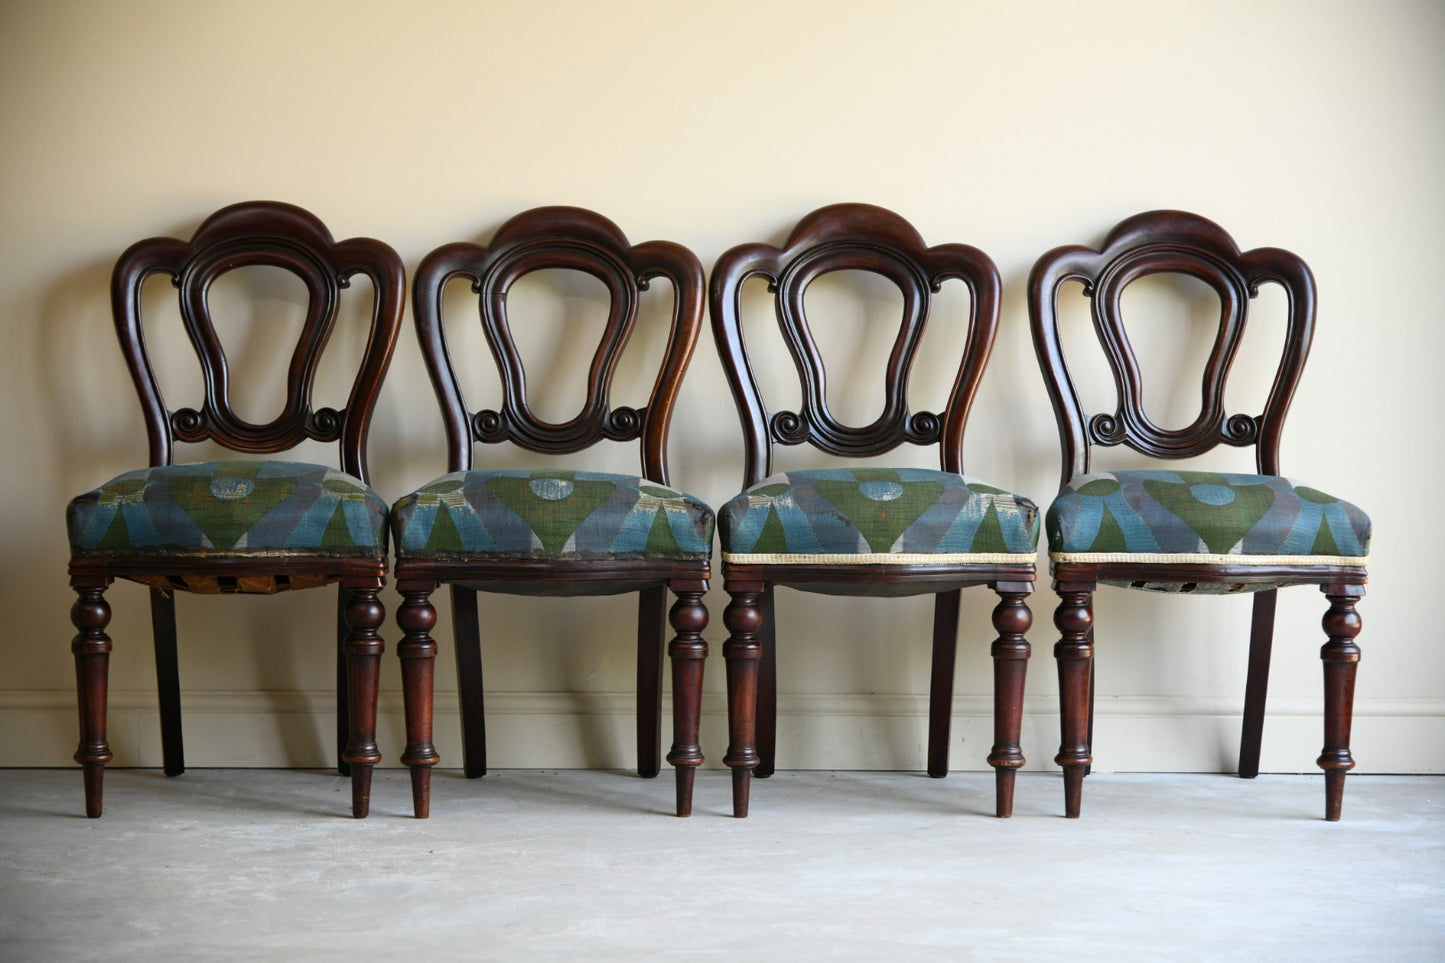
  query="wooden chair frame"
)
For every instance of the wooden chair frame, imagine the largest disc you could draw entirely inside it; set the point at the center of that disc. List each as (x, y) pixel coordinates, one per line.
(861, 237)
(579, 240)
(1165, 242)
(281, 236)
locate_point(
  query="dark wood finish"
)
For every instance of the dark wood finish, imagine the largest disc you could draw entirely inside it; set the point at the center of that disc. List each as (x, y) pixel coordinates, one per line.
(855, 237)
(1341, 657)
(1256, 686)
(467, 637)
(651, 606)
(1074, 653)
(766, 732)
(168, 680)
(688, 652)
(742, 652)
(1010, 651)
(418, 651)
(1169, 242)
(940, 690)
(573, 239)
(281, 236)
(1174, 242)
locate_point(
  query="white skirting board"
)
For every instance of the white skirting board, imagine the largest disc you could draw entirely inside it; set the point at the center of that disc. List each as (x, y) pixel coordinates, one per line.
(590, 730)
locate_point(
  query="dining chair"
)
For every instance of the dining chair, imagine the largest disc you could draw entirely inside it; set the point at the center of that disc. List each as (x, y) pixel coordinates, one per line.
(866, 530)
(1191, 530)
(561, 530)
(250, 525)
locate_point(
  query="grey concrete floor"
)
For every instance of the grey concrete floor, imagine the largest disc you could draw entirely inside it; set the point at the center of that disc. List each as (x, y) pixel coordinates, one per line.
(264, 865)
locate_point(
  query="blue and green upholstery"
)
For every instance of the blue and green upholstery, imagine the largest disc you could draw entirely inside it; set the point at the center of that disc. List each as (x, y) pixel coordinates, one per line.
(905, 516)
(556, 515)
(229, 509)
(1203, 518)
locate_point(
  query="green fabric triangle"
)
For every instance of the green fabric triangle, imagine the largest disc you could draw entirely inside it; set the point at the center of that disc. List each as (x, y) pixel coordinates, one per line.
(553, 521)
(660, 540)
(880, 522)
(1110, 537)
(444, 536)
(224, 510)
(117, 535)
(772, 540)
(989, 537)
(337, 534)
(1325, 541)
(1219, 527)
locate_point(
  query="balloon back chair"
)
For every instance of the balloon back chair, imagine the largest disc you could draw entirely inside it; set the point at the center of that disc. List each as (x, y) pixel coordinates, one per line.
(1191, 531)
(245, 525)
(555, 531)
(866, 530)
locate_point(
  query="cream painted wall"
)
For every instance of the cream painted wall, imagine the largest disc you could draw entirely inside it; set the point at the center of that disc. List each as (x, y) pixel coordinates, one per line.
(1317, 126)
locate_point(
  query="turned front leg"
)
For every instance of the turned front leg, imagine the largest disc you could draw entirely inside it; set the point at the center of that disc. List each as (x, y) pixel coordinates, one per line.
(741, 652)
(1074, 653)
(1341, 657)
(418, 650)
(688, 652)
(363, 648)
(1011, 619)
(90, 615)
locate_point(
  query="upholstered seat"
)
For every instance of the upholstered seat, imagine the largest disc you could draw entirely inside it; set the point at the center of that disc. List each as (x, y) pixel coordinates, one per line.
(861, 516)
(551, 514)
(223, 508)
(1203, 517)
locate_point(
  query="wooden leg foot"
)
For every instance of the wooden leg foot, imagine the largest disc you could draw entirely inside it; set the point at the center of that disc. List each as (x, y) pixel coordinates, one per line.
(685, 776)
(421, 791)
(1003, 780)
(742, 783)
(94, 787)
(360, 790)
(1073, 791)
(1334, 794)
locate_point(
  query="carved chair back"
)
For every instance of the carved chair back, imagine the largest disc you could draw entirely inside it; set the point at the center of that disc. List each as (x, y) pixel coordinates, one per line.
(573, 239)
(261, 233)
(1163, 242)
(855, 237)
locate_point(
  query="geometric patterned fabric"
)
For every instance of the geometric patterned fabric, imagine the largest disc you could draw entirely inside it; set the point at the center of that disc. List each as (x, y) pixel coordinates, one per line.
(550, 514)
(858, 516)
(1194, 516)
(230, 508)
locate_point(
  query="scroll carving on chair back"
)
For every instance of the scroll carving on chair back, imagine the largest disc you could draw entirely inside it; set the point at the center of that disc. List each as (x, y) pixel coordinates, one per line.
(572, 239)
(1165, 242)
(856, 237)
(268, 234)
